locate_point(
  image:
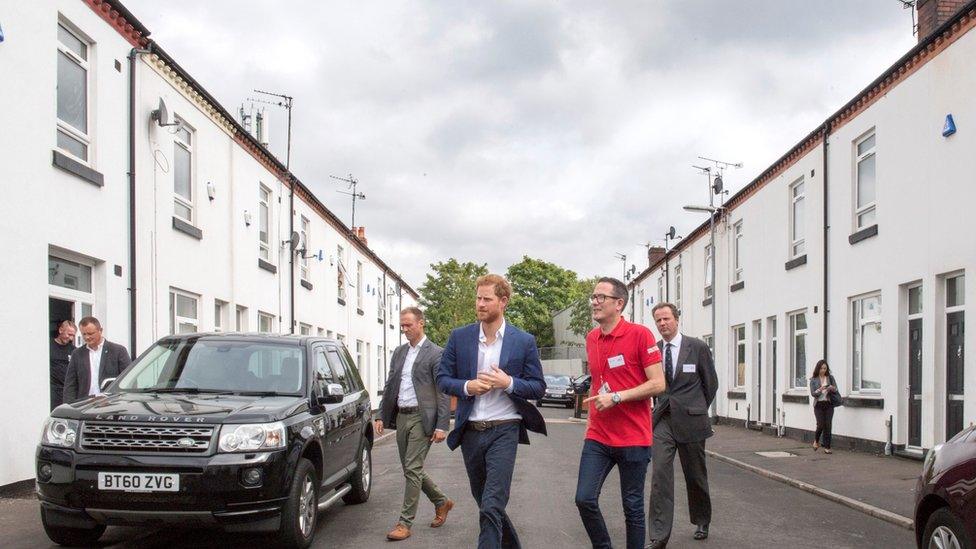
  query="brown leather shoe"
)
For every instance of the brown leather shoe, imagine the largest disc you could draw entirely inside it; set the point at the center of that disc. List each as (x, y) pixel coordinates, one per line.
(440, 514)
(398, 533)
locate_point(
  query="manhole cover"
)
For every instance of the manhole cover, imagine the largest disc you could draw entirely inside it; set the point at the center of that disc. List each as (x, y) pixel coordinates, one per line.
(775, 454)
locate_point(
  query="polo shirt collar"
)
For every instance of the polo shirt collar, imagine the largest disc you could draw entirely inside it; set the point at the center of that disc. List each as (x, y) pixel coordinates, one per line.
(618, 330)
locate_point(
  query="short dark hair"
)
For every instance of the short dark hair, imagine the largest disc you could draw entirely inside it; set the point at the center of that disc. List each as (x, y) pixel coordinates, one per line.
(816, 369)
(89, 320)
(665, 304)
(415, 311)
(619, 288)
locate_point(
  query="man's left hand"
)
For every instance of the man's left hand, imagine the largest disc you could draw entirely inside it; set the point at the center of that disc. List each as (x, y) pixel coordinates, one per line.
(497, 378)
(438, 436)
(602, 402)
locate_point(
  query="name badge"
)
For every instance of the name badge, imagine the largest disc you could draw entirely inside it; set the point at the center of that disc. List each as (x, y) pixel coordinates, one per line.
(688, 368)
(616, 361)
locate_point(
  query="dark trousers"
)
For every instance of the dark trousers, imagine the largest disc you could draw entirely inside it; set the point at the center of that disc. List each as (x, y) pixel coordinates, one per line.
(489, 457)
(824, 412)
(596, 461)
(692, 456)
(57, 395)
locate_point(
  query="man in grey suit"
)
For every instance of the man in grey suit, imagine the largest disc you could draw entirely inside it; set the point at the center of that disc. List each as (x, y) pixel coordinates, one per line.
(681, 422)
(92, 363)
(421, 415)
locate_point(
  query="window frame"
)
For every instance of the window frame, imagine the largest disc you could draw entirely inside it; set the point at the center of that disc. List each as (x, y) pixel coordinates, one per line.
(264, 246)
(871, 207)
(84, 137)
(341, 272)
(175, 320)
(709, 283)
(797, 245)
(306, 228)
(859, 323)
(240, 318)
(794, 334)
(677, 287)
(380, 299)
(359, 286)
(186, 145)
(220, 307)
(304, 329)
(738, 347)
(271, 321)
(737, 252)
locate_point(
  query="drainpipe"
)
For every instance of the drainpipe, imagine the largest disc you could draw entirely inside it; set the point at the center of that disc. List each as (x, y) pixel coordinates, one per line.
(887, 448)
(826, 239)
(132, 196)
(291, 252)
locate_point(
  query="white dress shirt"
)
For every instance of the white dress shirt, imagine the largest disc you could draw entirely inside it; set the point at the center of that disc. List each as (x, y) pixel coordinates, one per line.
(94, 361)
(495, 404)
(408, 395)
(675, 352)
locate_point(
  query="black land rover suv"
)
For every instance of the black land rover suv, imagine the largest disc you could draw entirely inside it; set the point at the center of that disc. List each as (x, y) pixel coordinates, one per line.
(247, 432)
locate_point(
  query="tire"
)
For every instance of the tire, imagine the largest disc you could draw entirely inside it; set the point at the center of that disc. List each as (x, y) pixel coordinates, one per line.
(362, 478)
(570, 405)
(72, 537)
(945, 526)
(299, 517)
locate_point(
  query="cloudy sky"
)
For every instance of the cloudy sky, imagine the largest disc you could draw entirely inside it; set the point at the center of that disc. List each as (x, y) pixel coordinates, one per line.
(562, 130)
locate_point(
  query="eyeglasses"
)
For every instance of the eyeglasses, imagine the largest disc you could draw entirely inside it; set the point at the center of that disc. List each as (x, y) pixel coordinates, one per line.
(600, 298)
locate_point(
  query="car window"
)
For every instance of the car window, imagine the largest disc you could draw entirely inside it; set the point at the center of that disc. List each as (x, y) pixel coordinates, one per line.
(351, 371)
(338, 369)
(323, 372)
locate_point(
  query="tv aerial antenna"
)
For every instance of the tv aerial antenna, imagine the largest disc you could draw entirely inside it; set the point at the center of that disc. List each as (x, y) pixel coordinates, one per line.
(352, 182)
(285, 102)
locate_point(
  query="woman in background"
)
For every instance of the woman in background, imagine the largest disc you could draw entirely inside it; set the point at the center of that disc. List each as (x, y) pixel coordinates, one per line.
(823, 388)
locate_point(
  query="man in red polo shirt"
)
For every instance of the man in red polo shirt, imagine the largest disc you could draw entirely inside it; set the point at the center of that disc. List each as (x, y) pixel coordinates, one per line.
(625, 365)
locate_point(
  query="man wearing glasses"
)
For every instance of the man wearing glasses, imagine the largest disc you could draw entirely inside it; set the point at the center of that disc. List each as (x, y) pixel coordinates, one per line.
(625, 365)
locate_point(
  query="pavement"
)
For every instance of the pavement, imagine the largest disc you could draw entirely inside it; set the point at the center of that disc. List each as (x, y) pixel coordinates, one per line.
(749, 509)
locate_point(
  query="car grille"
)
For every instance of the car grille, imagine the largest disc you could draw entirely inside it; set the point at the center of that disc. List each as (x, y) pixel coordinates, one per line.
(146, 438)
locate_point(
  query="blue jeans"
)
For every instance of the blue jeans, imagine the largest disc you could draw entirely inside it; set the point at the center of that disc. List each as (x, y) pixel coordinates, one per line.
(595, 464)
(489, 457)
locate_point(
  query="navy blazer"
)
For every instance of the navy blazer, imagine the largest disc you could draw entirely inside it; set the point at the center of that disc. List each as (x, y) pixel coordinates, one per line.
(519, 359)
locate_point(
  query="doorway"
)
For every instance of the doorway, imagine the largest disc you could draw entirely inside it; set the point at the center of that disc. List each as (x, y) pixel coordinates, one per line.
(915, 366)
(770, 407)
(757, 368)
(955, 354)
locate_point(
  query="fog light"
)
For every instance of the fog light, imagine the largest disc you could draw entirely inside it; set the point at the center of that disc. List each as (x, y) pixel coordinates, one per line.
(252, 477)
(44, 472)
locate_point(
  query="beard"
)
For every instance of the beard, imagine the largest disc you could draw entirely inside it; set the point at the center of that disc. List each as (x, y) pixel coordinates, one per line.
(488, 316)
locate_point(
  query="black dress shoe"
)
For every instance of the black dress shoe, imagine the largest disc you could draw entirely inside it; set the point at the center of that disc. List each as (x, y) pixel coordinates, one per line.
(701, 532)
(657, 544)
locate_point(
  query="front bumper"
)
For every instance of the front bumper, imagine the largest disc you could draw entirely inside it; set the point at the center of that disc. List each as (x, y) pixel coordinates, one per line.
(211, 490)
(561, 399)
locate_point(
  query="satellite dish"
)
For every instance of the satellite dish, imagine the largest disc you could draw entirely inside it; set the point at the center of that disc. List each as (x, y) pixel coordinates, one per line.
(161, 115)
(295, 240)
(717, 185)
(671, 232)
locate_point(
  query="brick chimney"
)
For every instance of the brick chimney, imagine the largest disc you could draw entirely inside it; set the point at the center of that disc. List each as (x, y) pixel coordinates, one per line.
(654, 254)
(933, 13)
(360, 233)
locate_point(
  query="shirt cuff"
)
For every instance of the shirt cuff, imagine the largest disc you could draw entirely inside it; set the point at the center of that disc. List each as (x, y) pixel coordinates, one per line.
(466, 393)
(511, 385)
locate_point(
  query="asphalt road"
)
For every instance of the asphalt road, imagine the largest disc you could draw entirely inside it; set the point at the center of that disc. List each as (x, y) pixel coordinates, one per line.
(748, 510)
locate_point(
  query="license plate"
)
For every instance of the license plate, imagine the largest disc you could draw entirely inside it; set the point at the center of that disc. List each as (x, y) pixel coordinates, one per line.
(139, 482)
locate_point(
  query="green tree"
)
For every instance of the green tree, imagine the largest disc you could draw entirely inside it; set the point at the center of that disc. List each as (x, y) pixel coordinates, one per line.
(540, 289)
(447, 297)
(581, 319)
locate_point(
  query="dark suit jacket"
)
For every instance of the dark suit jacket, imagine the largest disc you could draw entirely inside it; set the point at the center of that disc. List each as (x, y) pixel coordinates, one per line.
(77, 380)
(435, 406)
(690, 393)
(519, 359)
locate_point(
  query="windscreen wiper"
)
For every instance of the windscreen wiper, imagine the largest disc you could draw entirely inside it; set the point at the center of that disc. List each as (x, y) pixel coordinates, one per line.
(258, 393)
(192, 390)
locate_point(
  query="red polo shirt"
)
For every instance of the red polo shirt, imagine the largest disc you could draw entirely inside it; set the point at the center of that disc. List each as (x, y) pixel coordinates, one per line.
(619, 358)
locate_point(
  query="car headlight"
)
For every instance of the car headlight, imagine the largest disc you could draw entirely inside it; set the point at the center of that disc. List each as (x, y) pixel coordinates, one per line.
(251, 437)
(569, 391)
(59, 432)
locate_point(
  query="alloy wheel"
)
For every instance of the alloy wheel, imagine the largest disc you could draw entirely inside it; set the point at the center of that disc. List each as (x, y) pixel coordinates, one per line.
(944, 538)
(307, 507)
(366, 469)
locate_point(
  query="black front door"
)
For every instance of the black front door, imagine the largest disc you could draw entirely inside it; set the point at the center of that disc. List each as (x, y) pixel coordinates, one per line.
(915, 382)
(955, 355)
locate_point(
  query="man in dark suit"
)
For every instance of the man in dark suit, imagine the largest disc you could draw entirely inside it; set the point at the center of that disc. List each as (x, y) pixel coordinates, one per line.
(94, 362)
(420, 414)
(493, 369)
(681, 423)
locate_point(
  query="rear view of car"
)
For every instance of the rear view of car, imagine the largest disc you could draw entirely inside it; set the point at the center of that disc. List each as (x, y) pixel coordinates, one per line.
(945, 496)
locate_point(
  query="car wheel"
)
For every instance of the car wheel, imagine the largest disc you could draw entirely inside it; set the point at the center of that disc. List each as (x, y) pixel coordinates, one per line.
(362, 478)
(569, 405)
(945, 531)
(72, 537)
(299, 515)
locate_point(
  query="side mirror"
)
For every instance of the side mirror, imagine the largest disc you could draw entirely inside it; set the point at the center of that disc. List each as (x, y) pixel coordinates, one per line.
(333, 394)
(106, 383)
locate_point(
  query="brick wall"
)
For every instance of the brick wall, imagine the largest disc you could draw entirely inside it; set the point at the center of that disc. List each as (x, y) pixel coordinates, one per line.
(932, 13)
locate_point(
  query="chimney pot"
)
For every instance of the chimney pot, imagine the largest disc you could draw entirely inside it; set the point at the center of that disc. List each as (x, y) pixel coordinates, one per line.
(654, 254)
(933, 13)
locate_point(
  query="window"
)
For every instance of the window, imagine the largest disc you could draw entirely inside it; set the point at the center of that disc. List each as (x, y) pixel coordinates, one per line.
(183, 172)
(660, 289)
(737, 252)
(342, 377)
(68, 274)
(739, 340)
(709, 257)
(73, 95)
(914, 301)
(329, 334)
(240, 319)
(183, 312)
(956, 291)
(220, 312)
(341, 272)
(321, 332)
(708, 339)
(264, 223)
(359, 353)
(359, 286)
(797, 238)
(380, 299)
(323, 372)
(866, 363)
(303, 259)
(341, 338)
(865, 186)
(798, 349)
(265, 322)
(304, 329)
(677, 287)
(380, 374)
(366, 359)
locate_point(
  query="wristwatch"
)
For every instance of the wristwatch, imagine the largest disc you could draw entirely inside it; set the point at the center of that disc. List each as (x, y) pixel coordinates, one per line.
(615, 398)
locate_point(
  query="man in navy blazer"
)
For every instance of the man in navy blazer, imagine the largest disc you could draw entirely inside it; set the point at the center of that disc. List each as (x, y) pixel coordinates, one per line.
(493, 369)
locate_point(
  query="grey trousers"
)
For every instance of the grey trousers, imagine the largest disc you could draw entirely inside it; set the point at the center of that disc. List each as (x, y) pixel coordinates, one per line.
(660, 514)
(413, 445)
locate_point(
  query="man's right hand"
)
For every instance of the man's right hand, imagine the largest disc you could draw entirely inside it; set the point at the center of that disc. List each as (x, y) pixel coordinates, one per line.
(378, 426)
(476, 387)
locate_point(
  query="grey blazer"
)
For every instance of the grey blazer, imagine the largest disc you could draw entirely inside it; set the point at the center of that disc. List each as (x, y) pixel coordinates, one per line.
(831, 398)
(690, 393)
(435, 406)
(77, 380)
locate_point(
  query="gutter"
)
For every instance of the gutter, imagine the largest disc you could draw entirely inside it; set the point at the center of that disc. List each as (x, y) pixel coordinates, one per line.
(132, 196)
(826, 239)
